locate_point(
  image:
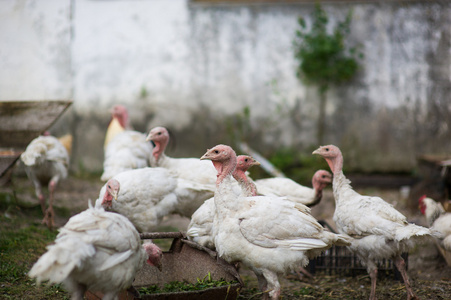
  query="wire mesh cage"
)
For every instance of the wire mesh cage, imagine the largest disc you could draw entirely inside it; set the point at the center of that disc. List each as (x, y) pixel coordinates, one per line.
(338, 260)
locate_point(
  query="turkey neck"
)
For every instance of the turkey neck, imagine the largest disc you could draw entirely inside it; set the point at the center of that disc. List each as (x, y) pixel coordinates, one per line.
(339, 180)
(318, 187)
(123, 119)
(249, 188)
(224, 197)
(434, 215)
(316, 198)
(158, 151)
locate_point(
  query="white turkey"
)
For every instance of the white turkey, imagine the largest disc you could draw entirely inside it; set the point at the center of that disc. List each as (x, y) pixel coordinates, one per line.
(119, 122)
(286, 187)
(146, 195)
(46, 162)
(187, 168)
(267, 234)
(438, 220)
(200, 226)
(124, 149)
(98, 251)
(379, 230)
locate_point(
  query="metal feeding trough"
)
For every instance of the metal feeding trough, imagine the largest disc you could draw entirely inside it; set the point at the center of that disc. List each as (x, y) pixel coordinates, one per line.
(185, 261)
(20, 123)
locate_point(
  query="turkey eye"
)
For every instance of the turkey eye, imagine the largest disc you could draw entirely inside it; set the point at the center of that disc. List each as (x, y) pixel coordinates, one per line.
(109, 187)
(216, 151)
(246, 160)
(327, 149)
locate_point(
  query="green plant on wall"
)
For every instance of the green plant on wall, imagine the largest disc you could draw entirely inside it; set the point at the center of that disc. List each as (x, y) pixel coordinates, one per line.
(324, 59)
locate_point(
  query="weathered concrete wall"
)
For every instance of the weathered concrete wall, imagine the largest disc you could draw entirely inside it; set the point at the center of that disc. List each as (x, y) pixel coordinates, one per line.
(400, 105)
(35, 58)
(194, 68)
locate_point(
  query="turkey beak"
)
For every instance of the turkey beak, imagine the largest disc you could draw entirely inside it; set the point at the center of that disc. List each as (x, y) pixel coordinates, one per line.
(205, 156)
(114, 194)
(160, 266)
(256, 163)
(317, 151)
(329, 179)
(149, 137)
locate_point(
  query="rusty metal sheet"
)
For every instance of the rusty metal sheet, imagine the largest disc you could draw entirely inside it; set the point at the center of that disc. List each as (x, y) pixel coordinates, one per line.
(21, 122)
(185, 261)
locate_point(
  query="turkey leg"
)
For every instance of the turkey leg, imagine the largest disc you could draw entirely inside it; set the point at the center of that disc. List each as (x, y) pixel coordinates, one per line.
(262, 284)
(373, 276)
(303, 271)
(49, 213)
(273, 284)
(401, 265)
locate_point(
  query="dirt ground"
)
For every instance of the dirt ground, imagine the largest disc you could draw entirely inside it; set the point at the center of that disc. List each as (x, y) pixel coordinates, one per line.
(431, 276)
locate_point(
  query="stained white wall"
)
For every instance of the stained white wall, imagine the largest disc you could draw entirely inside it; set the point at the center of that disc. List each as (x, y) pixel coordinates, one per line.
(121, 48)
(186, 66)
(35, 58)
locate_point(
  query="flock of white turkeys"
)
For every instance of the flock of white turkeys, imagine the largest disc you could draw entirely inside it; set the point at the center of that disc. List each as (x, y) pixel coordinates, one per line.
(264, 224)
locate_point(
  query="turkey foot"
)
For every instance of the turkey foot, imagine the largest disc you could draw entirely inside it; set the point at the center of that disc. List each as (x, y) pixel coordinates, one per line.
(48, 218)
(304, 273)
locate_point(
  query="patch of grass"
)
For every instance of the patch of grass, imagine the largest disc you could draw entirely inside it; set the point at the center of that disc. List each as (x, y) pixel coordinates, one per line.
(304, 291)
(178, 286)
(6, 200)
(22, 241)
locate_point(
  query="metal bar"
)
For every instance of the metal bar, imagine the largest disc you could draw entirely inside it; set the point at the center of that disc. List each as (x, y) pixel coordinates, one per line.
(161, 235)
(264, 163)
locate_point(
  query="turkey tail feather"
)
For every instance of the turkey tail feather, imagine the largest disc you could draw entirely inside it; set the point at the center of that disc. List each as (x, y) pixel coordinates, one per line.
(60, 259)
(410, 231)
(343, 240)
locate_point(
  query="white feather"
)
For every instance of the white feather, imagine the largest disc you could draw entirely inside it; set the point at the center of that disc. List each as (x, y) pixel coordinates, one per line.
(147, 195)
(440, 222)
(96, 249)
(126, 151)
(270, 235)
